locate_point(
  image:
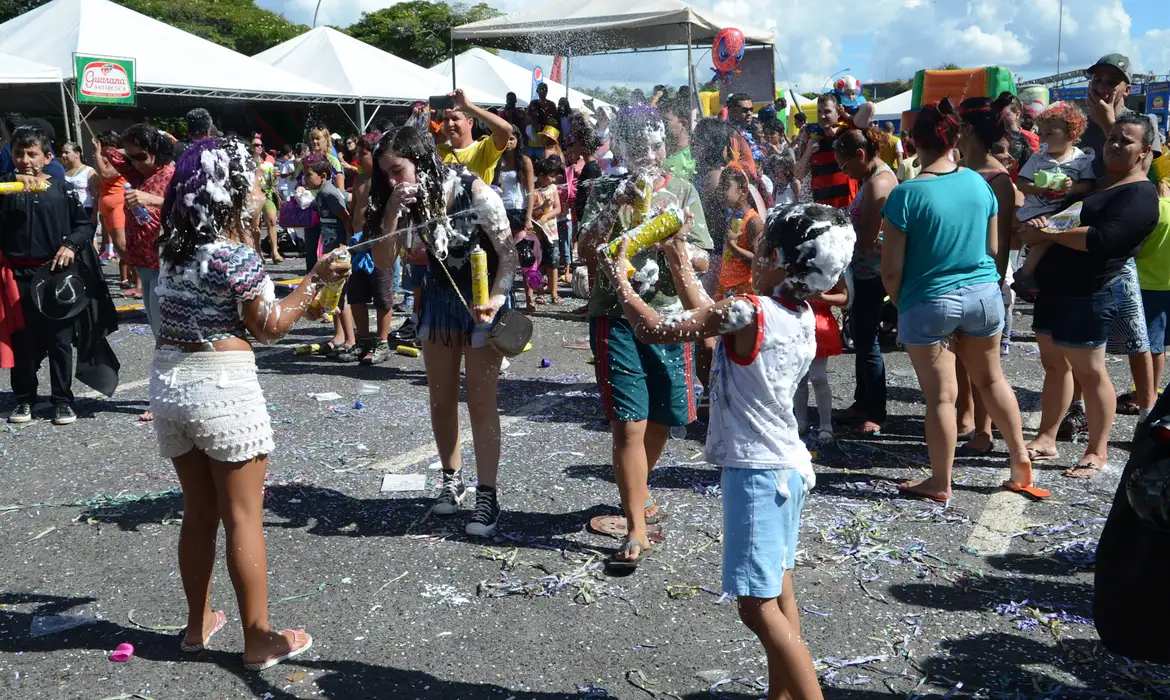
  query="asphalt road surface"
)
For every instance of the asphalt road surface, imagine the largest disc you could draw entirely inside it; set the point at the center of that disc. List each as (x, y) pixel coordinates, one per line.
(989, 597)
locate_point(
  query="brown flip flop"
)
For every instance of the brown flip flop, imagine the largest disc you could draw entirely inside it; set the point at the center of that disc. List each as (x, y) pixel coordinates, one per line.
(1035, 455)
(1082, 471)
(615, 526)
(909, 490)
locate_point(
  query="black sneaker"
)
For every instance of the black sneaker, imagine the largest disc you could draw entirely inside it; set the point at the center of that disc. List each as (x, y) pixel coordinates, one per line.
(401, 308)
(21, 414)
(407, 333)
(451, 494)
(486, 515)
(63, 414)
(377, 354)
(352, 354)
(1073, 425)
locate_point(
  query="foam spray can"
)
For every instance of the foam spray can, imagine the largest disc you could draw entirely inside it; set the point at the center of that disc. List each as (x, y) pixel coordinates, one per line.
(329, 297)
(648, 234)
(18, 187)
(479, 277)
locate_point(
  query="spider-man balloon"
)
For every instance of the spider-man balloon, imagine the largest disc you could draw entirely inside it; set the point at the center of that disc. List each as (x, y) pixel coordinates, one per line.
(726, 53)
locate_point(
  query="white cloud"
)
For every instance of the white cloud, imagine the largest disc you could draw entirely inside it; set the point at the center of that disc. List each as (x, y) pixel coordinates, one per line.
(816, 39)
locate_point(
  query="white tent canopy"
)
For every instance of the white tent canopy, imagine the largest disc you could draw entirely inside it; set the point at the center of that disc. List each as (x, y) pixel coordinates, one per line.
(325, 55)
(15, 69)
(499, 76)
(891, 109)
(583, 27)
(168, 61)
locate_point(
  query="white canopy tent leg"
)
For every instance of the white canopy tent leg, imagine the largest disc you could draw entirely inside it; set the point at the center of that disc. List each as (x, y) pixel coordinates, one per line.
(691, 71)
(361, 105)
(65, 114)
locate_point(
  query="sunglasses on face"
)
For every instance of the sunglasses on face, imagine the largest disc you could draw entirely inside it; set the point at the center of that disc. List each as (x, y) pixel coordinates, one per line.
(140, 157)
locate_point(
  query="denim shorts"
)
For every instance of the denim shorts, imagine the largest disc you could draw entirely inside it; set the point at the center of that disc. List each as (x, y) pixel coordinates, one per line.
(1075, 322)
(975, 311)
(760, 530)
(1156, 305)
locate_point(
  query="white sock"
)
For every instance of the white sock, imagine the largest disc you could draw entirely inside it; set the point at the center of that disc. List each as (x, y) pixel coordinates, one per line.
(1143, 413)
(819, 375)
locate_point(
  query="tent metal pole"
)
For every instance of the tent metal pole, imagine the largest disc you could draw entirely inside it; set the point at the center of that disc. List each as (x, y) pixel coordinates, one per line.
(451, 42)
(691, 69)
(77, 118)
(361, 115)
(65, 114)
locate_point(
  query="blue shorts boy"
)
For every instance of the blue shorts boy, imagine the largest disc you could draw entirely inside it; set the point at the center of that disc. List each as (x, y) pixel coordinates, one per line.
(760, 530)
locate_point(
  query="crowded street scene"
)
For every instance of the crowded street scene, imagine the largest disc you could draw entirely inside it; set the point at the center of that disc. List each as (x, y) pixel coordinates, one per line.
(543, 351)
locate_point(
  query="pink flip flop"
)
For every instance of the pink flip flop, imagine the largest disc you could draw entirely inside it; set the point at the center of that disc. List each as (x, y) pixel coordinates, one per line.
(123, 653)
(220, 621)
(290, 654)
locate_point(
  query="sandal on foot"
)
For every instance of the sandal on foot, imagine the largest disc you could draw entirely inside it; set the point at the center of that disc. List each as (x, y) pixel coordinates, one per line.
(965, 450)
(906, 489)
(1031, 490)
(1042, 454)
(868, 427)
(220, 621)
(659, 514)
(1083, 470)
(290, 654)
(628, 565)
(328, 347)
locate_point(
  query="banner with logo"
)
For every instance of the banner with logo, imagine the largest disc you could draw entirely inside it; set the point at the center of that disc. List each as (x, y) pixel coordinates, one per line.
(537, 79)
(1158, 100)
(105, 80)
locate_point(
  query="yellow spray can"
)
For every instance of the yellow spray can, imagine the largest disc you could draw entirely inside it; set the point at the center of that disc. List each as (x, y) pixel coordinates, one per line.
(479, 277)
(648, 234)
(329, 298)
(17, 187)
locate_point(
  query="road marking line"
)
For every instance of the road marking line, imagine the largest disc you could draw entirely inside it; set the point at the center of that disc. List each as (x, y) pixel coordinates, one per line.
(428, 451)
(1001, 517)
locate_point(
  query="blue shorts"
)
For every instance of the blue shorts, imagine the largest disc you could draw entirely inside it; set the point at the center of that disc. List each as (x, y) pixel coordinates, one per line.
(444, 319)
(760, 529)
(1156, 305)
(975, 311)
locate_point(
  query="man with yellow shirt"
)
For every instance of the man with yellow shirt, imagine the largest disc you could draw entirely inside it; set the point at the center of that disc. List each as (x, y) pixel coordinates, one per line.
(480, 157)
(1153, 264)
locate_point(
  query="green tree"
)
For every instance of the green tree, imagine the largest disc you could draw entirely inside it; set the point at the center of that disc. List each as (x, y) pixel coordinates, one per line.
(237, 24)
(949, 66)
(419, 31)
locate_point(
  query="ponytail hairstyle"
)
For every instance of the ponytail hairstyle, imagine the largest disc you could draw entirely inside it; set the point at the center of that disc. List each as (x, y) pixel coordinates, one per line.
(937, 127)
(869, 140)
(815, 244)
(986, 117)
(207, 197)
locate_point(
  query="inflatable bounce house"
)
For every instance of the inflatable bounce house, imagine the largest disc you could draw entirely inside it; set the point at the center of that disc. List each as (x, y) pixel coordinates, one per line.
(934, 85)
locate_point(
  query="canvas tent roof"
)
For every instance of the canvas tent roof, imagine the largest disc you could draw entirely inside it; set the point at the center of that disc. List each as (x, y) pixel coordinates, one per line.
(15, 69)
(499, 76)
(325, 55)
(582, 27)
(168, 61)
(892, 108)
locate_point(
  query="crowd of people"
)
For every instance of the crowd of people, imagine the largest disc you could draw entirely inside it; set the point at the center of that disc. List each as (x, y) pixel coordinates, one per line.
(789, 247)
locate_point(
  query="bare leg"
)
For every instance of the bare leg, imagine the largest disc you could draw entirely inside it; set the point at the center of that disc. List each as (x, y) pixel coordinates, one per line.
(790, 668)
(1100, 401)
(384, 318)
(997, 396)
(1159, 361)
(442, 365)
(964, 400)
(1054, 397)
(631, 468)
(240, 495)
(935, 367)
(1141, 366)
(197, 541)
(347, 325)
(270, 220)
(554, 289)
(483, 380)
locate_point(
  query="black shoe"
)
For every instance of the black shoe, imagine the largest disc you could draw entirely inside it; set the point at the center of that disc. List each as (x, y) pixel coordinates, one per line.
(351, 354)
(401, 308)
(486, 515)
(451, 494)
(21, 414)
(377, 354)
(1073, 425)
(407, 333)
(63, 414)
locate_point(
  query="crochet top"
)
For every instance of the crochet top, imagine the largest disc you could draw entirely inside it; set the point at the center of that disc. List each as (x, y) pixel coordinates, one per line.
(200, 301)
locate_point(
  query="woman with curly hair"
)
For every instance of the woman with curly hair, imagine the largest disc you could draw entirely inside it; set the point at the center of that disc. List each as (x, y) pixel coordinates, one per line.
(211, 419)
(414, 195)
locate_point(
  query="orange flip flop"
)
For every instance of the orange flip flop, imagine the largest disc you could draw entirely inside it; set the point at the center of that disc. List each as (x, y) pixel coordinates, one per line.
(1031, 490)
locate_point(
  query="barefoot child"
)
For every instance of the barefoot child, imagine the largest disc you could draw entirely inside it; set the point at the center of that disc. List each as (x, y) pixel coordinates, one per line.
(828, 336)
(1060, 126)
(735, 275)
(767, 342)
(544, 217)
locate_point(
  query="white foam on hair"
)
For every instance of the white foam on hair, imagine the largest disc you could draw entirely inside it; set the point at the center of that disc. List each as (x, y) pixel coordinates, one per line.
(831, 252)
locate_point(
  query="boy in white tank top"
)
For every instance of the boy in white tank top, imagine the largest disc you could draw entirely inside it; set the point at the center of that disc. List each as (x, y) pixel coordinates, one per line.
(767, 342)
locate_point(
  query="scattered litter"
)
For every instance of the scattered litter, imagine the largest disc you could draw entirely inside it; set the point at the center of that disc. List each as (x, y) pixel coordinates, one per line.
(123, 653)
(713, 675)
(296, 677)
(55, 624)
(545, 362)
(404, 482)
(358, 405)
(153, 628)
(365, 388)
(34, 539)
(325, 396)
(818, 613)
(445, 593)
(1029, 615)
(396, 579)
(303, 595)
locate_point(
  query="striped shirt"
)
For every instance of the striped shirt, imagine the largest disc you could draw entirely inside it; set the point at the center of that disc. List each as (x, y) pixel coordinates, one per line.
(829, 185)
(199, 302)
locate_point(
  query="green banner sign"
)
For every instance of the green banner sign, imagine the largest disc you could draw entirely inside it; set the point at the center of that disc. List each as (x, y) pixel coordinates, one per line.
(105, 80)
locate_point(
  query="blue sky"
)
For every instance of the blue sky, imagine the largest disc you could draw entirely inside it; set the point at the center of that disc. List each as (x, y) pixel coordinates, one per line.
(891, 39)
